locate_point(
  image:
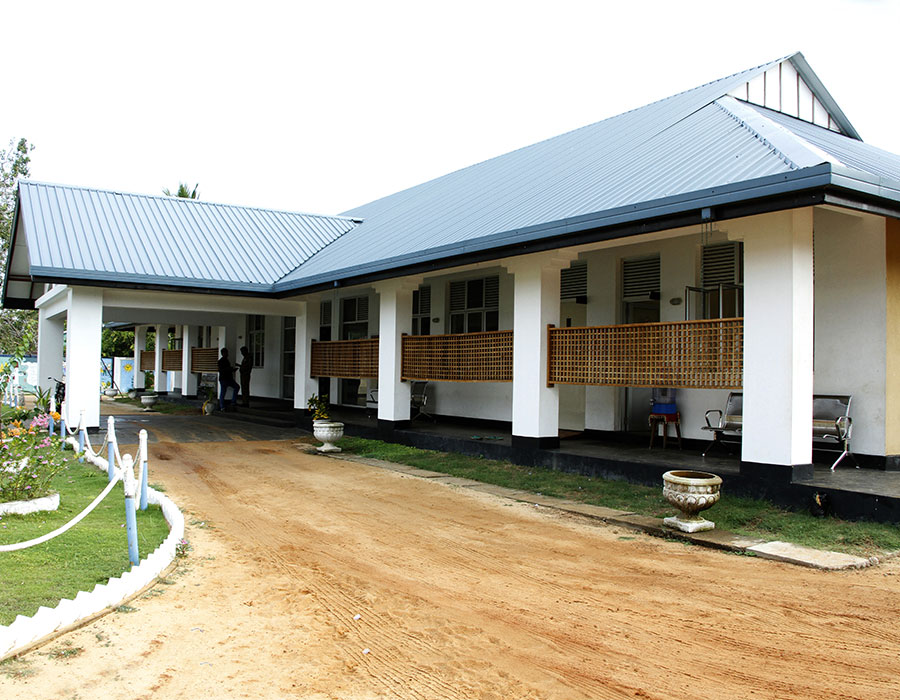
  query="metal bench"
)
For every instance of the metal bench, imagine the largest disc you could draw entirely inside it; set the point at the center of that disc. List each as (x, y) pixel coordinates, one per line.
(831, 421)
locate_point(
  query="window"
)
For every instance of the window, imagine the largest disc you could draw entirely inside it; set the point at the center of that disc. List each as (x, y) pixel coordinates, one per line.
(474, 305)
(354, 318)
(256, 338)
(288, 348)
(721, 290)
(421, 311)
(325, 320)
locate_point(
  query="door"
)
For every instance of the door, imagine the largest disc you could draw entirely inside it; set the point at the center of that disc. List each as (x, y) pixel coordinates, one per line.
(637, 399)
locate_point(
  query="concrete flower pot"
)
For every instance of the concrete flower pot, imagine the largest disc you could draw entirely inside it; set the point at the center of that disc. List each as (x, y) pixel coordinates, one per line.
(149, 400)
(328, 432)
(691, 492)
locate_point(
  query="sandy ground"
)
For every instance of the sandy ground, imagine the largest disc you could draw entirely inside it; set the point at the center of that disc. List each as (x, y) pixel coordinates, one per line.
(318, 578)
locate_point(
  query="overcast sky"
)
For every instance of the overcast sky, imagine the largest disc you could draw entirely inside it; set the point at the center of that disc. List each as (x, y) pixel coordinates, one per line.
(322, 106)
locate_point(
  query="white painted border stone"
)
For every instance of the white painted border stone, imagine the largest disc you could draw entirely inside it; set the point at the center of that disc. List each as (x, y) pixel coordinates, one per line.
(35, 505)
(26, 630)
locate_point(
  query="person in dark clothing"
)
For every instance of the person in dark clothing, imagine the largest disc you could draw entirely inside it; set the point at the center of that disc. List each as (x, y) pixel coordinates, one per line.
(226, 380)
(246, 367)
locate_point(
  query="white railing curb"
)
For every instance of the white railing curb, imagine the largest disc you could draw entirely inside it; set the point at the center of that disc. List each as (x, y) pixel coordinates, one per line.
(27, 630)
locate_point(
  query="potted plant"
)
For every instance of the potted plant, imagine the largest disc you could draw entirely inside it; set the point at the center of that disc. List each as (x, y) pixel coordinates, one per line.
(208, 394)
(325, 430)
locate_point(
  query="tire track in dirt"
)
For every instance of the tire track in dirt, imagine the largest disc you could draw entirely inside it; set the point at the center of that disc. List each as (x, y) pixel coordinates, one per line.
(339, 605)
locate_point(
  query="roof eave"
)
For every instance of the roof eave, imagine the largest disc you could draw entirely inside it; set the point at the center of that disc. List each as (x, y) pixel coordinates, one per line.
(669, 212)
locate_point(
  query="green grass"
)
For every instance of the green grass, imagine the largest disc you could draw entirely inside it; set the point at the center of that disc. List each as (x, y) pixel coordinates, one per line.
(745, 516)
(95, 550)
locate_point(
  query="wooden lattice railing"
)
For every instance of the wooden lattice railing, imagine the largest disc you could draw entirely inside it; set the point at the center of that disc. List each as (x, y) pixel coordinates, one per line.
(171, 360)
(148, 361)
(347, 359)
(204, 360)
(686, 354)
(468, 357)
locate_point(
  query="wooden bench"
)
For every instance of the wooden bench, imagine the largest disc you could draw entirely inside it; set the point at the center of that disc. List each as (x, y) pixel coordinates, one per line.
(831, 421)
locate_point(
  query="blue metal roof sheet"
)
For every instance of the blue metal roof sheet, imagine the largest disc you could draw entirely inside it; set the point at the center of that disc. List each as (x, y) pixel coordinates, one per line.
(95, 234)
(696, 149)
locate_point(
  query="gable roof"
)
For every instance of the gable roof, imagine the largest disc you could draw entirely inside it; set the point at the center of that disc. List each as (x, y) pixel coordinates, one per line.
(722, 149)
(700, 148)
(75, 233)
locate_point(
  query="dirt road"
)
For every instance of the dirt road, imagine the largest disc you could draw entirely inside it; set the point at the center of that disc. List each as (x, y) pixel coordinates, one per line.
(317, 578)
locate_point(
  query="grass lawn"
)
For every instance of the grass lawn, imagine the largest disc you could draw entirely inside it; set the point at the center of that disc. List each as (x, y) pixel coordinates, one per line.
(95, 550)
(745, 516)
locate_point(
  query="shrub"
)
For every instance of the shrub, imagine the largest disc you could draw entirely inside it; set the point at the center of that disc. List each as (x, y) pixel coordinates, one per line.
(29, 460)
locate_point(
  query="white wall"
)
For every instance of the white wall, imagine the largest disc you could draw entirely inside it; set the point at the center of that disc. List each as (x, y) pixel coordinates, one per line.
(850, 312)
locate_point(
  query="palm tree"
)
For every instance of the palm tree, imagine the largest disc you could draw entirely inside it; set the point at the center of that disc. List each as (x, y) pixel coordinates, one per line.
(183, 191)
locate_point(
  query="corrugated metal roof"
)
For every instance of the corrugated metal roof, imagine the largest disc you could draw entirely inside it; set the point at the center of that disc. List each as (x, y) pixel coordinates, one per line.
(850, 152)
(685, 146)
(96, 234)
(696, 149)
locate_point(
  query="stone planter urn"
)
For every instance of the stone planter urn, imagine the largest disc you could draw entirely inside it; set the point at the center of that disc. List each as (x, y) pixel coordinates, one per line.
(691, 492)
(149, 400)
(132, 393)
(111, 393)
(328, 431)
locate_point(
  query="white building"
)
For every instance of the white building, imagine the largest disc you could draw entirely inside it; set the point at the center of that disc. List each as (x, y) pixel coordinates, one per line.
(735, 237)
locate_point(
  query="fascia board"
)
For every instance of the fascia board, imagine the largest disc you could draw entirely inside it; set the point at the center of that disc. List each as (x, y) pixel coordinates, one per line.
(69, 276)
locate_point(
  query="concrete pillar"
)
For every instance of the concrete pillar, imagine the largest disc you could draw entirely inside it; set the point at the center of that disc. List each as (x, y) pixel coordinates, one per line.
(305, 330)
(188, 378)
(535, 410)
(160, 381)
(395, 319)
(602, 404)
(175, 377)
(83, 340)
(50, 350)
(778, 342)
(140, 344)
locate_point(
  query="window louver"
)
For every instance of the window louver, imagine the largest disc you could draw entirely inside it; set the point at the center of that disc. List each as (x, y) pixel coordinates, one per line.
(721, 264)
(573, 281)
(421, 301)
(362, 309)
(640, 278)
(492, 292)
(457, 296)
(325, 312)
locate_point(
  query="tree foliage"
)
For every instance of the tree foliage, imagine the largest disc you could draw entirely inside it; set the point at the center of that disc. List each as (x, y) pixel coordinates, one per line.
(18, 329)
(117, 343)
(183, 191)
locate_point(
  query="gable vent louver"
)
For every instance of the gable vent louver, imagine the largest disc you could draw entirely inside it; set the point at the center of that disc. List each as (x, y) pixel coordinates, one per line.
(640, 278)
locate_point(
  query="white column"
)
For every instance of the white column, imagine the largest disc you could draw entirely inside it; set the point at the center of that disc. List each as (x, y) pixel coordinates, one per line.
(83, 340)
(394, 319)
(305, 330)
(188, 378)
(175, 378)
(50, 349)
(778, 339)
(159, 377)
(535, 410)
(140, 344)
(602, 405)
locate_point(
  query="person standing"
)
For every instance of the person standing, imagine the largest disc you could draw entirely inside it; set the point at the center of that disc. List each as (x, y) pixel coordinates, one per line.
(226, 380)
(246, 367)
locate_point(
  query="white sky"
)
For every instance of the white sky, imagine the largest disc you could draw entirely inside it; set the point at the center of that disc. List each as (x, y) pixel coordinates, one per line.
(322, 106)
